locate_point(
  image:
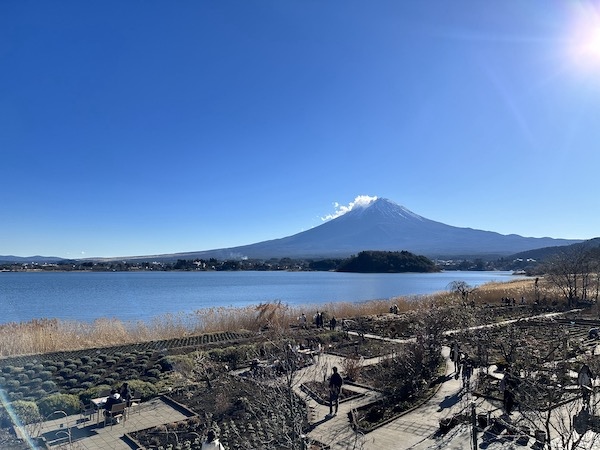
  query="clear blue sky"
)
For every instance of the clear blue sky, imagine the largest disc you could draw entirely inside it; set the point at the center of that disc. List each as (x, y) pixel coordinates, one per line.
(146, 127)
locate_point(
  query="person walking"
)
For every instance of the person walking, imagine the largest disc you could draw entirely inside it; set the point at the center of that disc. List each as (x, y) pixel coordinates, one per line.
(335, 388)
(467, 371)
(584, 379)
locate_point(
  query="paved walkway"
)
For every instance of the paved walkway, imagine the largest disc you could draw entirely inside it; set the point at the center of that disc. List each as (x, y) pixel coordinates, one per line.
(90, 436)
(417, 429)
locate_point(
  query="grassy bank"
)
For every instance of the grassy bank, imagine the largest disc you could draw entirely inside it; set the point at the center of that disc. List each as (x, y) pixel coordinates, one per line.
(51, 335)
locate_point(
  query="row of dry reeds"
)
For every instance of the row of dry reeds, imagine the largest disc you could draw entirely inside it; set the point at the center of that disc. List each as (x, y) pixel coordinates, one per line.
(51, 335)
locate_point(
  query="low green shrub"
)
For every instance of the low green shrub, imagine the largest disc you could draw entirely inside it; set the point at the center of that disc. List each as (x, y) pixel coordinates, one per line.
(48, 386)
(45, 375)
(143, 389)
(27, 412)
(59, 402)
(93, 392)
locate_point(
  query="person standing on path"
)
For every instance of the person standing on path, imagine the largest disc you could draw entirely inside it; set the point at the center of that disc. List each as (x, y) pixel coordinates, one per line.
(584, 379)
(335, 388)
(212, 442)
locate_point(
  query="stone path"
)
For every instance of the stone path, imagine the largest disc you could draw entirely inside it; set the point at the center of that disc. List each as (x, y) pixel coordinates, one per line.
(59, 433)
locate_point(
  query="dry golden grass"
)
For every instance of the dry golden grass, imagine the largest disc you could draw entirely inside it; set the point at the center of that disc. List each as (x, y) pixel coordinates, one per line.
(50, 335)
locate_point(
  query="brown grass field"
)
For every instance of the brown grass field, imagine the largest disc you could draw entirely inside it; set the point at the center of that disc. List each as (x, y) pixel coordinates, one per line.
(51, 335)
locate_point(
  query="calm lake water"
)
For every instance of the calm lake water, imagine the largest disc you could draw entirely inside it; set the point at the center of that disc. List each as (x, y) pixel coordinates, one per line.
(141, 296)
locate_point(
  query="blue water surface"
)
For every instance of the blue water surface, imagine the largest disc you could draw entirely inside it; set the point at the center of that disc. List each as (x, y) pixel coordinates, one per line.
(86, 296)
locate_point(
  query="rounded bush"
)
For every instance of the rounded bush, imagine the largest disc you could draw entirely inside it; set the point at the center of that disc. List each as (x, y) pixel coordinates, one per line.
(75, 391)
(36, 382)
(22, 377)
(28, 366)
(8, 369)
(129, 359)
(13, 396)
(79, 375)
(12, 385)
(109, 380)
(93, 378)
(38, 367)
(85, 368)
(85, 359)
(59, 402)
(27, 412)
(153, 373)
(93, 392)
(59, 379)
(59, 364)
(71, 366)
(2, 380)
(72, 382)
(30, 373)
(86, 385)
(48, 386)
(45, 375)
(111, 362)
(118, 354)
(39, 393)
(66, 372)
(51, 368)
(143, 389)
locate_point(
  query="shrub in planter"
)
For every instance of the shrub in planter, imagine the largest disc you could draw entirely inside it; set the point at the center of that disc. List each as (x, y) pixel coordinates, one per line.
(59, 402)
(143, 389)
(27, 412)
(93, 392)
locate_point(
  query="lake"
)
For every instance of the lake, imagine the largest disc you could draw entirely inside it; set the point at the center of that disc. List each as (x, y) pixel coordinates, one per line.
(84, 296)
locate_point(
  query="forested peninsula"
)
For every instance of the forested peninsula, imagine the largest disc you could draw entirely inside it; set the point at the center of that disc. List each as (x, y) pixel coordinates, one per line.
(387, 262)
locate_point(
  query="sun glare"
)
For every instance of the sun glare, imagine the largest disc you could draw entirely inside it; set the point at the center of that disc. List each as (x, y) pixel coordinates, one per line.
(585, 42)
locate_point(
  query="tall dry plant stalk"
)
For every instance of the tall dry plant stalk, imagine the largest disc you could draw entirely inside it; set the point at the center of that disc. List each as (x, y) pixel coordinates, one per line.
(51, 335)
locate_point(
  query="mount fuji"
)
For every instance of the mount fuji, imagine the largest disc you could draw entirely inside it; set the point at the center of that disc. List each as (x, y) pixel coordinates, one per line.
(382, 225)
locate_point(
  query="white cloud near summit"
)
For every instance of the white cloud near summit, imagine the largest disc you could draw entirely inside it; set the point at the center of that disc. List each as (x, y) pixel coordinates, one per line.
(361, 200)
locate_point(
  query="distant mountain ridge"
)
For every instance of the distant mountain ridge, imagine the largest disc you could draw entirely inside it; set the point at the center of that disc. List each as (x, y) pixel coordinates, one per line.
(379, 225)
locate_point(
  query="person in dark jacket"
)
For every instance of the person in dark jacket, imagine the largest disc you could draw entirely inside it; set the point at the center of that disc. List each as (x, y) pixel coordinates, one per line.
(335, 388)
